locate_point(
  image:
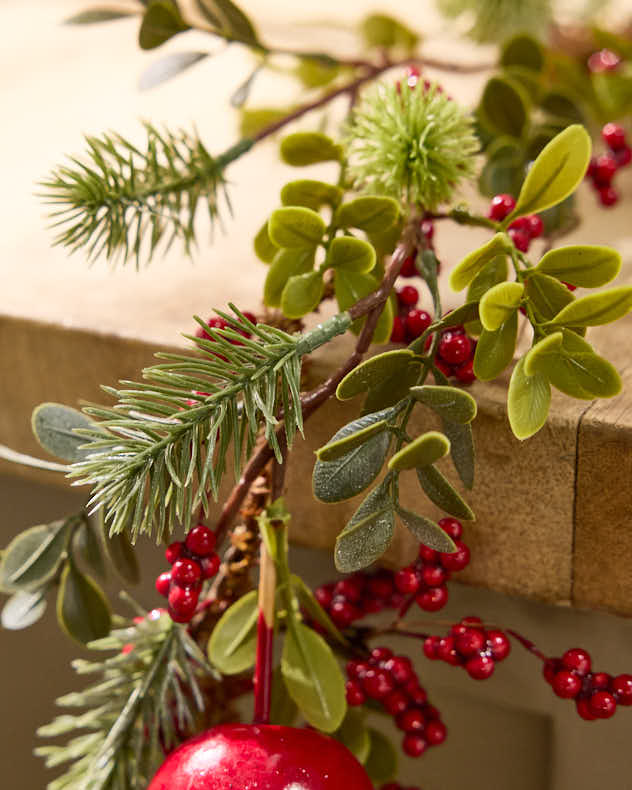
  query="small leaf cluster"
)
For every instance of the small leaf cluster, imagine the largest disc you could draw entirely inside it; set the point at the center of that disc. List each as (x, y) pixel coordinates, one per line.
(495, 20)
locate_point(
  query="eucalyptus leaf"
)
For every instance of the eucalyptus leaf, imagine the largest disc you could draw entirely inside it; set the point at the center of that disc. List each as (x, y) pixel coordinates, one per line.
(286, 264)
(354, 734)
(422, 451)
(426, 531)
(370, 213)
(351, 254)
(373, 372)
(302, 294)
(461, 450)
(54, 424)
(89, 548)
(546, 295)
(493, 273)
(528, 401)
(162, 20)
(82, 609)
(495, 350)
(334, 450)
(311, 194)
(499, 304)
(168, 67)
(438, 490)
(296, 227)
(381, 764)
(308, 148)
(93, 16)
(233, 643)
(596, 309)
(368, 533)
(393, 388)
(504, 106)
(587, 266)
(120, 552)
(452, 403)
(465, 271)
(34, 556)
(265, 249)
(23, 609)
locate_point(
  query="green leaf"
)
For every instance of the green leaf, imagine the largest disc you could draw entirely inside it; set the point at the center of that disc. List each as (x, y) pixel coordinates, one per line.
(53, 425)
(316, 74)
(562, 106)
(34, 556)
(370, 213)
(23, 609)
(168, 67)
(504, 106)
(461, 450)
(334, 450)
(162, 21)
(556, 173)
(426, 531)
(452, 403)
(499, 304)
(296, 227)
(310, 194)
(350, 287)
(381, 764)
(368, 533)
(286, 264)
(546, 295)
(233, 643)
(347, 475)
(465, 271)
(354, 734)
(313, 678)
(283, 710)
(523, 50)
(596, 309)
(265, 248)
(528, 401)
(82, 609)
(89, 548)
(495, 350)
(461, 315)
(373, 372)
(384, 32)
(120, 552)
(351, 254)
(251, 122)
(302, 294)
(422, 451)
(587, 266)
(95, 15)
(439, 491)
(393, 387)
(229, 21)
(308, 148)
(386, 242)
(314, 610)
(504, 169)
(493, 273)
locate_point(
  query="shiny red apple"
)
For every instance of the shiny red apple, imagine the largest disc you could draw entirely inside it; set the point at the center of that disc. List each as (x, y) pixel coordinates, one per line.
(261, 757)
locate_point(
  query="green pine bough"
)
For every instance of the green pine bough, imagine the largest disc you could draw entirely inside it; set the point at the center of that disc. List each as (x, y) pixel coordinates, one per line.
(157, 460)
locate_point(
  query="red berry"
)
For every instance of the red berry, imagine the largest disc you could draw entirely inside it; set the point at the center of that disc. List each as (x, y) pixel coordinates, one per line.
(465, 372)
(407, 581)
(351, 589)
(452, 527)
(414, 745)
(412, 76)
(536, 226)
(583, 708)
(501, 206)
(457, 560)
(470, 642)
(250, 316)
(443, 367)
(431, 643)
(416, 693)
(602, 704)
(377, 683)
(433, 575)
(613, 136)
(566, 684)
(380, 654)
(214, 323)
(499, 644)
(398, 332)
(411, 720)
(343, 613)
(480, 667)
(210, 565)
(163, 582)
(201, 541)
(381, 585)
(446, 651)
(324, 595)
(570, 286)
(577, 660)
(455, 349)
(186, 572)
(623, 156)
(433, 599)
(603, 60)
(396, 702)
(182, 603)
(408, 295)
(600, 681)
(417, 321)
(173, 551)
(605, 168)
(520, 238)
(357, 669)
(608, 196)
(435, 732)
(621, 687)
(521, 223)
(408, 267)
(550, 668)
(400, 668)
(427, 228)
(427, 554)
(354, 693)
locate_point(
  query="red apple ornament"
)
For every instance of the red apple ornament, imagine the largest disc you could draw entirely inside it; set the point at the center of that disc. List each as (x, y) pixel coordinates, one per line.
(261, 757)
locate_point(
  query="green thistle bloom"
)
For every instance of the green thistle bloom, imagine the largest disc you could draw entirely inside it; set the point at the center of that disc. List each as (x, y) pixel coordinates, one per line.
(496, 20)
(412, 144)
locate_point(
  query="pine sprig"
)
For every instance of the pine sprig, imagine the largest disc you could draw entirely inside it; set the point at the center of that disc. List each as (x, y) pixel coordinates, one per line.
(143, 703)
(124, 202)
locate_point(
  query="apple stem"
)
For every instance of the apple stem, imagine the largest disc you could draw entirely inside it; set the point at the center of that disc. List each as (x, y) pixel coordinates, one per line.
(265, 637)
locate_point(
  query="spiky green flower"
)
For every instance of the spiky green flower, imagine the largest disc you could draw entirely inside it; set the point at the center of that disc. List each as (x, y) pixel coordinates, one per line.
(413, 144)
(496, 20)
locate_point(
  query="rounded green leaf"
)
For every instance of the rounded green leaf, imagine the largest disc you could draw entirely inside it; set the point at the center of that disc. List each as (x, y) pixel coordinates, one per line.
(368, 534)
(562, 106)
(265, 249)
(334, 450)
(353, 733)
(465, 271)
(313, 678)
(422, 451)
(308, 148)
(302, 294)
(82, 608)
(499, 303)
(528, 401)
(451, 403)
(370, 213)
(373, 372)
(350, 287)
(556, 173)
(596, 309)
(438, 490)
(233, 643)
(381, 764)
(426, 531)
(461, 450)
(393, 387)
(493, 273)
(286, 264)
(587, 266)
(311, 194)
(351, 254)
(551, 344)
(504, 106)
(546, 295)
(495, 350)
(380, 30)
(296, 227)
(54, 424)
(523, 50)
(34, 556)
(23, 609)
(161, 21)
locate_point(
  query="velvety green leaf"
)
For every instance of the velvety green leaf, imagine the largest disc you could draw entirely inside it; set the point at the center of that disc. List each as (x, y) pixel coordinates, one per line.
(351, 254)
(461, 450)
(82, 609)
(504, 106)
(34, 556)
(495, 349)
(314, 610)
(168, 67)
(504, 169)
(354, 734)
(381, 764)
(426, 531)
(499, 304)
(53, 425)
(380, 30)
(384, 243)
(23, 609)
(451, 403)
(120, 552)
(229, 20)
(523, 50)
(556, 173)
(334, 450)
(530, 80)
(528, 401)
(313, 678)
(392, 388)
(546, 295)
(350, 287)
(233, 643)
(286, 264)
(308, 148)
(94, 15)
(596, 309)
(316, 74)
(373, 372)
(302, 294)
(162, 20)
(461, 315)
(87, 544)
(465, 271)
(493, 273)
(296, 227)
(422, 451)
(265, 248)
(311, 194)
(368, 534)
(347, 475)
(563, 106)
(370, 213)
(588, 266)
(439, 491)
(251, 122)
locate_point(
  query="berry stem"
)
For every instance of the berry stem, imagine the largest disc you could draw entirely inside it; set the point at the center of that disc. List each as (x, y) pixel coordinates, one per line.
(527, 644)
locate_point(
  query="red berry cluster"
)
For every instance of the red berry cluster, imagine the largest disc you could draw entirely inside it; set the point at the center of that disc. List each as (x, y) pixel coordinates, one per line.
(216, 322)
(426, 578)
(596, 694)
(356, 596)
(455, 354)
(192, 561)
(523, 230)
(471, 646)
(391, 680)
(602, 169)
